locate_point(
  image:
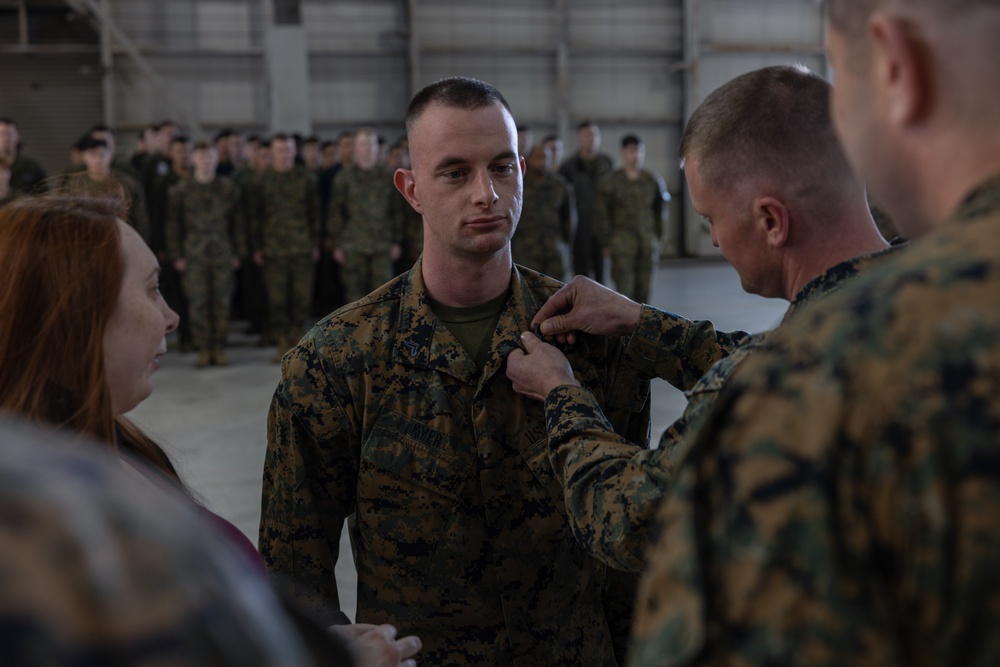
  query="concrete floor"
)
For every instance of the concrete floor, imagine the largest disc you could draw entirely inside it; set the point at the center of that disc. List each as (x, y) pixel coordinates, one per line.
(212, 421)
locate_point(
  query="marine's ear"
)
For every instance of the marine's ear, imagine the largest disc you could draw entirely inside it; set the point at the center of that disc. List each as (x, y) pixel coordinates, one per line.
(772, 218)
(901, 69)
(407, 186)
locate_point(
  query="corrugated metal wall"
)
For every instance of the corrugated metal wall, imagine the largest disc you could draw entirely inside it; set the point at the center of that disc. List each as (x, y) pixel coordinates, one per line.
(630, 65)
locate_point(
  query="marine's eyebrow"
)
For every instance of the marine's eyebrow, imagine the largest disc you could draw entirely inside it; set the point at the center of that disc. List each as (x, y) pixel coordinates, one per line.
(449, 162)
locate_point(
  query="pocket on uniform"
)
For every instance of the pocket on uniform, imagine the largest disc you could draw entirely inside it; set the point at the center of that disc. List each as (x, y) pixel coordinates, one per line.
(534, 446)
(409, 483)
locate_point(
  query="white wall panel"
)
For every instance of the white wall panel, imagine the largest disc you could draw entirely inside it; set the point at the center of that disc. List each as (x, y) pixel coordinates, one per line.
(655, 26)
(218, 92)
(768, 24)
(352, 26)
(355, 90)
(224, 26)
(625, 87)
(456, 26)
(228, 103)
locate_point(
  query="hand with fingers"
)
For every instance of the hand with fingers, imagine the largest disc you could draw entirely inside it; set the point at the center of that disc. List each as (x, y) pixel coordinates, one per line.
(583, 305)
(538, 368)
(377, 646)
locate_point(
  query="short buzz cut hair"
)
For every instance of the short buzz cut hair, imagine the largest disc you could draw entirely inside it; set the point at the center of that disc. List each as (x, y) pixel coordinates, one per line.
(774, 123)
(457, 92)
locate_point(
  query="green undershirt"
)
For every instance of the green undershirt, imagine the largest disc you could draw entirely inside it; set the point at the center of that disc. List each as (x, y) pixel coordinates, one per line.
(473, 327)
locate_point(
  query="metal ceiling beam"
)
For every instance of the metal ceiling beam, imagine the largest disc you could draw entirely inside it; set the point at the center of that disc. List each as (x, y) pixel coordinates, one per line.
(111, 32)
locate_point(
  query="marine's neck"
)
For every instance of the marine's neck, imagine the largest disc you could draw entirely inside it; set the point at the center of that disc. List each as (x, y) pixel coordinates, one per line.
(463, 282)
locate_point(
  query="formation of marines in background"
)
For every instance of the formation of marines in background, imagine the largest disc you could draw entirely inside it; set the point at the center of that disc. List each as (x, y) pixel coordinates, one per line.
(326, 226)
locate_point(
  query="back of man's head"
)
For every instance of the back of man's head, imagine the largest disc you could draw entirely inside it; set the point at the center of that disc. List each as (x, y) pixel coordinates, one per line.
(772, 124)
(457, 92)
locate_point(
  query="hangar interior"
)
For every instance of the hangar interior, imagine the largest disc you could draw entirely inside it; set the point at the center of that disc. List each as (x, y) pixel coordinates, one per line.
(323, 66)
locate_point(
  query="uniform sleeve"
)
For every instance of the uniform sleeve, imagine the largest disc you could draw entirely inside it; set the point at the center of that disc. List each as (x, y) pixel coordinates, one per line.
(310, 477)
(612, 487)
(678, 350)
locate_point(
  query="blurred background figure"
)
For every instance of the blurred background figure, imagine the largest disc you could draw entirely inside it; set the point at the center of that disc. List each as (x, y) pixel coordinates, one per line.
(584, 170)
(102, 567)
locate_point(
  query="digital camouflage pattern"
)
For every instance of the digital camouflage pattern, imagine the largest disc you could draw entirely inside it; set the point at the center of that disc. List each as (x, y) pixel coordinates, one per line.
(628, 220)
(100, 565)
(285, 221)
(585, 175)
(366, 218)
(286, 229)
(458, 525)
(613, 488)
(365, 211)
(548, 218)
(839, 507)
(205, 227)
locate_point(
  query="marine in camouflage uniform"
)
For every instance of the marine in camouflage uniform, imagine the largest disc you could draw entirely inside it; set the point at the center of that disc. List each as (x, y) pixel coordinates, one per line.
(585, 170)
(838, 504)
(286, 238)
(459, 526)
(628, 222)
(204, 228)
(613, 488)
(366, 222)
(548, 218)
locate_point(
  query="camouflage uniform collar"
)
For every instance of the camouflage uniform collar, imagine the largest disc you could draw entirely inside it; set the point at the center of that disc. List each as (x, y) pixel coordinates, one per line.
(983, 200)
(833, 277)
(424, 342)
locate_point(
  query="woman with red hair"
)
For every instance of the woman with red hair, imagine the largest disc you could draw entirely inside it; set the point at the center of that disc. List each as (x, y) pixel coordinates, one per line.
(82, 327)
(82, 322)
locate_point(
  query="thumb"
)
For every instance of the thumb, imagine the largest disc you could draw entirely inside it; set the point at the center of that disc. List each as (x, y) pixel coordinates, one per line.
(529, 341)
